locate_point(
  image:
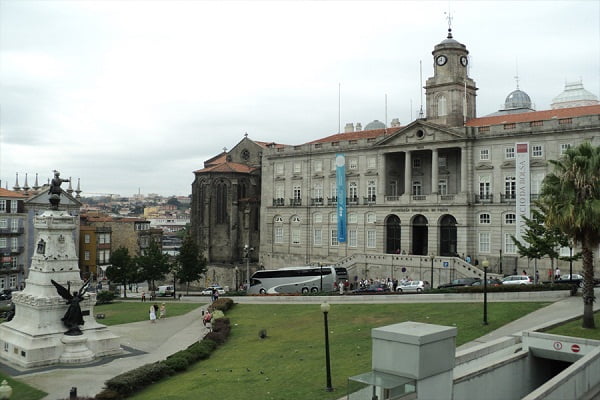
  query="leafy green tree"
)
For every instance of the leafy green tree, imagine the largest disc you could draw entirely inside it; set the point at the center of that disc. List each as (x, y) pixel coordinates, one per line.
(540, 240)
(153, 264)
(191, 263)
(122, 268)
(571, 194)
(173, 202)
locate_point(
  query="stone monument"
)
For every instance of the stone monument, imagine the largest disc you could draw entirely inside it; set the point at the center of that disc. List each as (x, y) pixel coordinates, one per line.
(48, 328)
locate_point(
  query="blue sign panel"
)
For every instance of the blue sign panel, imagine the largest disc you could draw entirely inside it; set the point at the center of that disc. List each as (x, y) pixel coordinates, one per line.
(340, 179)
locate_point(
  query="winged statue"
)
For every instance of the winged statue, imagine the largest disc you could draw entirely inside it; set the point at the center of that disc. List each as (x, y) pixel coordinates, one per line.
(73, 318)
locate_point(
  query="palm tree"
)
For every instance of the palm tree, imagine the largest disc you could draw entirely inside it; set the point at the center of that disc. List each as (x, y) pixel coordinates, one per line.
(572, 197)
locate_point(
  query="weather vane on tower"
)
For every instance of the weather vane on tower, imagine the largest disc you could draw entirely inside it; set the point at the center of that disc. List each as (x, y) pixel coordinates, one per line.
(449, 19)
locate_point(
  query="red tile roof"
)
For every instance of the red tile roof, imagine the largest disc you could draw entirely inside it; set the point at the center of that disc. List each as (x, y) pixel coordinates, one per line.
(356, 135)
(269, 144)
(10, 193)
(227, 166)
(535, 116)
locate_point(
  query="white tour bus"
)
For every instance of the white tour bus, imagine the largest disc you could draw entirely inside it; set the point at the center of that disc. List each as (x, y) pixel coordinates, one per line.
(295, 280)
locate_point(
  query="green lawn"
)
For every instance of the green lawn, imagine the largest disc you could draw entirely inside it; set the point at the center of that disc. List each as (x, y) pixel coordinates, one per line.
(123, 312)
(22, 391)
(574, 328)
(290, 363)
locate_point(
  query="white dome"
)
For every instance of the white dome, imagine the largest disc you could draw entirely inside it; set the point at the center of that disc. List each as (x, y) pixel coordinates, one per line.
(574, 95)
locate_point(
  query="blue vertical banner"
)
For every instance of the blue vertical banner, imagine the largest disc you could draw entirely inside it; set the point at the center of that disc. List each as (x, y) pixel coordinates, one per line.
(340, 180)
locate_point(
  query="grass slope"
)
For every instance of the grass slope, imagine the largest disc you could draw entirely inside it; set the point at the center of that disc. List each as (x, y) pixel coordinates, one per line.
(290, 363)
(124, 312)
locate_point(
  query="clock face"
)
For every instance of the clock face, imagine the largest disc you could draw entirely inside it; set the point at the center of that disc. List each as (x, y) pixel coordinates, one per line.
(441, 60)
(464, 61)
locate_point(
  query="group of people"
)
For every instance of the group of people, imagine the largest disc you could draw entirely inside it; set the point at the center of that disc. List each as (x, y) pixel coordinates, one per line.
(158, 312)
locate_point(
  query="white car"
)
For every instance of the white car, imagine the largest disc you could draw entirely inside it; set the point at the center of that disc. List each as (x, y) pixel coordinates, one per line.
(412, 286)
(517, 280)
(209, 290)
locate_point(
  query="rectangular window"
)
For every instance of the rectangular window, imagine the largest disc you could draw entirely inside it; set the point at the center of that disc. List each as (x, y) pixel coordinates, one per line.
(15, 244)
(371, 239)
(443, 187)
(279, 168)
(3, 243)
(417, 188)
(371, 163)
(416, 163)
(352, 190)
(333, 166)
(295, 235)
(442, 162)
(536, 182)
(484, 242)
(317, 237)
(318, 219)
(563, 148)
(537, 150)
(297, 192)
(2, 206)
(280, 192)
(297, 167)
(509, 245)
(318, 165)
(352, 238)
(484, 186)
(333, 218)
(352, 218)
(14, 206)
(3, 223)
(484, 219)
(86, 238)
(353, 163)
(278, 232)
(510, 187)
(86, 255)
(318, 191)
(15, 225)
(371, 190)
(509, 153)
(510, 219)
(334, 239)
(484, 154)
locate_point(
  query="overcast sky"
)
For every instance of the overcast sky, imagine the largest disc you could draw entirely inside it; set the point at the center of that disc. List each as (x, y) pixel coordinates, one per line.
(134, 95)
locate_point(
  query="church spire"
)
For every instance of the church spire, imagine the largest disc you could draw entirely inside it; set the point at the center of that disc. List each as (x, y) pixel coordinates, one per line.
(17, 187)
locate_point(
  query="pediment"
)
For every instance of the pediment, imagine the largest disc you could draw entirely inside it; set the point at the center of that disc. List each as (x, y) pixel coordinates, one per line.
(421, 132)
(480, 167)
(43, 198)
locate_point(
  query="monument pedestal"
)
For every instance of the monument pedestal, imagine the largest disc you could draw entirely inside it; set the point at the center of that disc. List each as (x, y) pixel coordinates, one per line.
(75, 350)
(35, 337)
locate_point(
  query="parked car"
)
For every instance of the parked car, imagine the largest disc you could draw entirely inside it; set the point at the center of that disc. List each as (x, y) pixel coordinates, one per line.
(413, 286)
(374, 288)
(459, 282)
(490, 282)
(209, 290)
(6, 294)
(517, 280)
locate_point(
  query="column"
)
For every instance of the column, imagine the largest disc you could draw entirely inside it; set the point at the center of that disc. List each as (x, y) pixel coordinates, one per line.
(434, 171)
(407, 173)
(463, 170)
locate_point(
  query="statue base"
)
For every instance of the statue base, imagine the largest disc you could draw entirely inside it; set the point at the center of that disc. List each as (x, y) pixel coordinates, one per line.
(75, 350)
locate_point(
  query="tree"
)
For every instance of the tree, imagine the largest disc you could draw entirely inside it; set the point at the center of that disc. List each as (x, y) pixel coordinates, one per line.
(173, 202)
(541, 240)
(191, 263)
(153, 264)
(571, 195)
(122, 269)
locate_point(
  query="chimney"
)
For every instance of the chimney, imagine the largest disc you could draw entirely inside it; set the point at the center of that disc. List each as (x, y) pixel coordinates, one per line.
(349, 127)
(358, 127)
(395, 123)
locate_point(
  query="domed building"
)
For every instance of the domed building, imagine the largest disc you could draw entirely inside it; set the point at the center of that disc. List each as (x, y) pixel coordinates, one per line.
(574, 95)
(516, 102)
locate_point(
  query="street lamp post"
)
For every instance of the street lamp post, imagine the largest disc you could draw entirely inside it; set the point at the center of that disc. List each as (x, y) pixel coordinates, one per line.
(432, 258)
(248, 250)
(571, 262)
(485, 264)
(325, 309)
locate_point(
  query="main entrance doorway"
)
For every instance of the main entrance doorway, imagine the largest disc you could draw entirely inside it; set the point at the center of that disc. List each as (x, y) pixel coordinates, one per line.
(392, 234)
(419, 235)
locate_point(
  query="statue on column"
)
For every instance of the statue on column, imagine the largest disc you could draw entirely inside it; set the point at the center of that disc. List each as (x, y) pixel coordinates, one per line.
(73, 317)
(55, 189)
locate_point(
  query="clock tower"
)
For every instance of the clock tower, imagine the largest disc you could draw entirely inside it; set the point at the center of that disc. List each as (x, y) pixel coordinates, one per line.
(450, 93)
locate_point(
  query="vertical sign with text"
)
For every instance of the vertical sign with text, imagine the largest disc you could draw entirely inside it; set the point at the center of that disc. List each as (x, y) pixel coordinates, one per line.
(340, 179)
(523, 197)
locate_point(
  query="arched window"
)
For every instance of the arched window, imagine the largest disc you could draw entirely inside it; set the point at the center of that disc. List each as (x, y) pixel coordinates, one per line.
(221, 203)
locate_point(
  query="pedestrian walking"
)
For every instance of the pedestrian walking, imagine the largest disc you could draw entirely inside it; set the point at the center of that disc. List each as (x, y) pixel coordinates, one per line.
(152, 313)
(143, 297)
(163, 311)
(557, 274)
